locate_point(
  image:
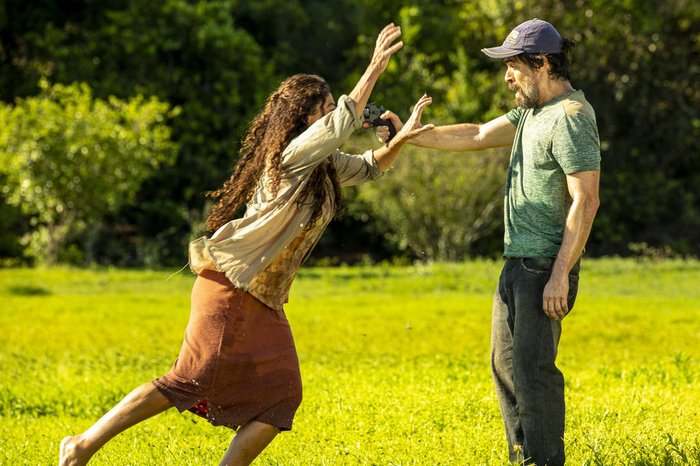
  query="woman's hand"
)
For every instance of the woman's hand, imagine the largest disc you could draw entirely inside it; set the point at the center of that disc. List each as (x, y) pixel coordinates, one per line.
(382, 132)
(383, 49)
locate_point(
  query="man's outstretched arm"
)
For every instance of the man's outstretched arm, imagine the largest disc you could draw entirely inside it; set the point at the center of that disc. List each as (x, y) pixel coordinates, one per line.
(499, 132)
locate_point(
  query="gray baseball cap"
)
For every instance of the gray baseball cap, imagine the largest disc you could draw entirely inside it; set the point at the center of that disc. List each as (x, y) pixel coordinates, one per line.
(533, 36)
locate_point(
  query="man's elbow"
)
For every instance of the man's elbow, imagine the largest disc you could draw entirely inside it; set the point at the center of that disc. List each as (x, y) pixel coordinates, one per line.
(591, 204)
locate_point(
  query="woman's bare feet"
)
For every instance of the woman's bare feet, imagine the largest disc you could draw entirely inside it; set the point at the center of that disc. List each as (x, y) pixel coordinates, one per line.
(140, 404)
(72, 452)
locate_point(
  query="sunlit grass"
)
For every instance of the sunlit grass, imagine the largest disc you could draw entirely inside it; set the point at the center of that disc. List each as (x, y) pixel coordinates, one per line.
(394, 362)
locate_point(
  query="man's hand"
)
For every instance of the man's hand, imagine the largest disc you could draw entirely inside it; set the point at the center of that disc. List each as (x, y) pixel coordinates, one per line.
(386, 155)
(555, 297)
(413, 126)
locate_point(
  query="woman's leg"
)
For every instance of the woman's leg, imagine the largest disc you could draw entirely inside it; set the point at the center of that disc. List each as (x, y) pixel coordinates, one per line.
(143, 402)
(248, 442)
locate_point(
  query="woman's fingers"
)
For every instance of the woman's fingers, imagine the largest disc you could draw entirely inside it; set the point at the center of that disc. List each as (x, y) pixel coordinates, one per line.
(382, 133)
(394, 48)
(386, 29)
(388, 34)
(385, 46)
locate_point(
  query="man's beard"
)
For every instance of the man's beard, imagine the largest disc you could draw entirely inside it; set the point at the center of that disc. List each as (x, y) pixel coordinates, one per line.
(526, 96)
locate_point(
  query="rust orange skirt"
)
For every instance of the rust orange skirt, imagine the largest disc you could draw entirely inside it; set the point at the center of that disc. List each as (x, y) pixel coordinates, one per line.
(238, 362)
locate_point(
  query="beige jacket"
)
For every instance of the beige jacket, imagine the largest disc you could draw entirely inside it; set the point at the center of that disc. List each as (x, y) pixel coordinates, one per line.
(244, 247)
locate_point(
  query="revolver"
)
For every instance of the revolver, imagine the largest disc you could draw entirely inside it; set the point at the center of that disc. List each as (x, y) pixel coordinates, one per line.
(371, 115)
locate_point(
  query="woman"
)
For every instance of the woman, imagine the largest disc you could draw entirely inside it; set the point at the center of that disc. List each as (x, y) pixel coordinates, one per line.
(238, 365)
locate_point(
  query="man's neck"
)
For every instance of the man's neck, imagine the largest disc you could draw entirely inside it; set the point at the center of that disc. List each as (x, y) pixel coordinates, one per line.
(553, 89)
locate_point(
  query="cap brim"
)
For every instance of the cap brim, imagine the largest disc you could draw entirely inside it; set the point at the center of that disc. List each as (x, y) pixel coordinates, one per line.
(501, 52)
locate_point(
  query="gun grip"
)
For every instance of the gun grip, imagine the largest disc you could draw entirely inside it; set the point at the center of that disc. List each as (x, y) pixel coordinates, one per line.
(390, 125)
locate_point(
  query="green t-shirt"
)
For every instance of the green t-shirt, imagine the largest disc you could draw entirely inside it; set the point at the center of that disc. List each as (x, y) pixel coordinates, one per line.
(557, 138)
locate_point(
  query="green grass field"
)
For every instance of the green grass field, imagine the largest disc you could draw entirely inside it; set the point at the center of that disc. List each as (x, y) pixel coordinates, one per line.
(394, 362)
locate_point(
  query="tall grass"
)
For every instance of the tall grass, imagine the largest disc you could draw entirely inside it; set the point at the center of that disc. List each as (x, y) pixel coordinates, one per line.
(394, 362)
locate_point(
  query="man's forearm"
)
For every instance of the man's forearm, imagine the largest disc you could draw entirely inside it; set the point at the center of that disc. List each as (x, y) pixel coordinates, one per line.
(576, 232)
(459, 137)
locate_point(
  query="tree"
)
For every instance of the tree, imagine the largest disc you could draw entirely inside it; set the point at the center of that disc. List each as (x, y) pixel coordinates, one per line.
(440, 206)
(69, 158)
(637, 62)
(190, 54)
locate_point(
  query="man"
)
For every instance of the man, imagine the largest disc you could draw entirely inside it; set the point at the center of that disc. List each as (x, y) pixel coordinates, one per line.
(551, 198)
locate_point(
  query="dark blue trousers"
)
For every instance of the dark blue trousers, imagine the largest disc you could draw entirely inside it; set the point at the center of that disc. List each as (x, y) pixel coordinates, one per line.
(524, 342)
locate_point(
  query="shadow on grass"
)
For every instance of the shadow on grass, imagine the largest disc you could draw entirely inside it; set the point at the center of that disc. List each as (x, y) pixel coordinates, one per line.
(28, 290)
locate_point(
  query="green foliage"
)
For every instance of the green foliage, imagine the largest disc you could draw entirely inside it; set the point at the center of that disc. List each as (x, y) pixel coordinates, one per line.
(637, 61)
(305, 36)
(189, 54)
(11, 250)
(440, 206)
(394, 362)
(217, 60)
(70, 158)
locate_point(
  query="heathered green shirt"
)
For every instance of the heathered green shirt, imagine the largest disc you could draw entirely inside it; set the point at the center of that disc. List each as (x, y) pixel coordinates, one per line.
(552, 140)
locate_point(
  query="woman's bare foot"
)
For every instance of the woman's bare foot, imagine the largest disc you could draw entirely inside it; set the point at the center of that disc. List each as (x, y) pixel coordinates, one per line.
(140, 404)
(72, 453)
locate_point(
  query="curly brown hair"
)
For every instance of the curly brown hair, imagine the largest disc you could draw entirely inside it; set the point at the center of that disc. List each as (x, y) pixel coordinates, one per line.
(284, 117)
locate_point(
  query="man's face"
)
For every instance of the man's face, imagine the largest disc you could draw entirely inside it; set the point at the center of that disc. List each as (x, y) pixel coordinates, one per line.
(524, 81)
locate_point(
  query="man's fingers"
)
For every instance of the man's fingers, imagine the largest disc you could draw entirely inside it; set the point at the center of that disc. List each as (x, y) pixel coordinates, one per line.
(555, 308)
(563, 308)
(420, 106)
(422, 103)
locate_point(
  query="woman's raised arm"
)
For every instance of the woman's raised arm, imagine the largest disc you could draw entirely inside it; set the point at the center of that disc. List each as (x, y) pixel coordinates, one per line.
(383, 50)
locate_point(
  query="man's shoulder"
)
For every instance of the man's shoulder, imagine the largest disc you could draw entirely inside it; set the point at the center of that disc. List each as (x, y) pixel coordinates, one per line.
(576, 105)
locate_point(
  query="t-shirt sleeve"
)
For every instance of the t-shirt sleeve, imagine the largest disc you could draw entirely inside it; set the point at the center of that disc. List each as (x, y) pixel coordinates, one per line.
(575, 142)
(514, 115)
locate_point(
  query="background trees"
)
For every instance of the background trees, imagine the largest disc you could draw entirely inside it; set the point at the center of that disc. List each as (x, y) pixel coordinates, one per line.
(69, 159)
(216, 60)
